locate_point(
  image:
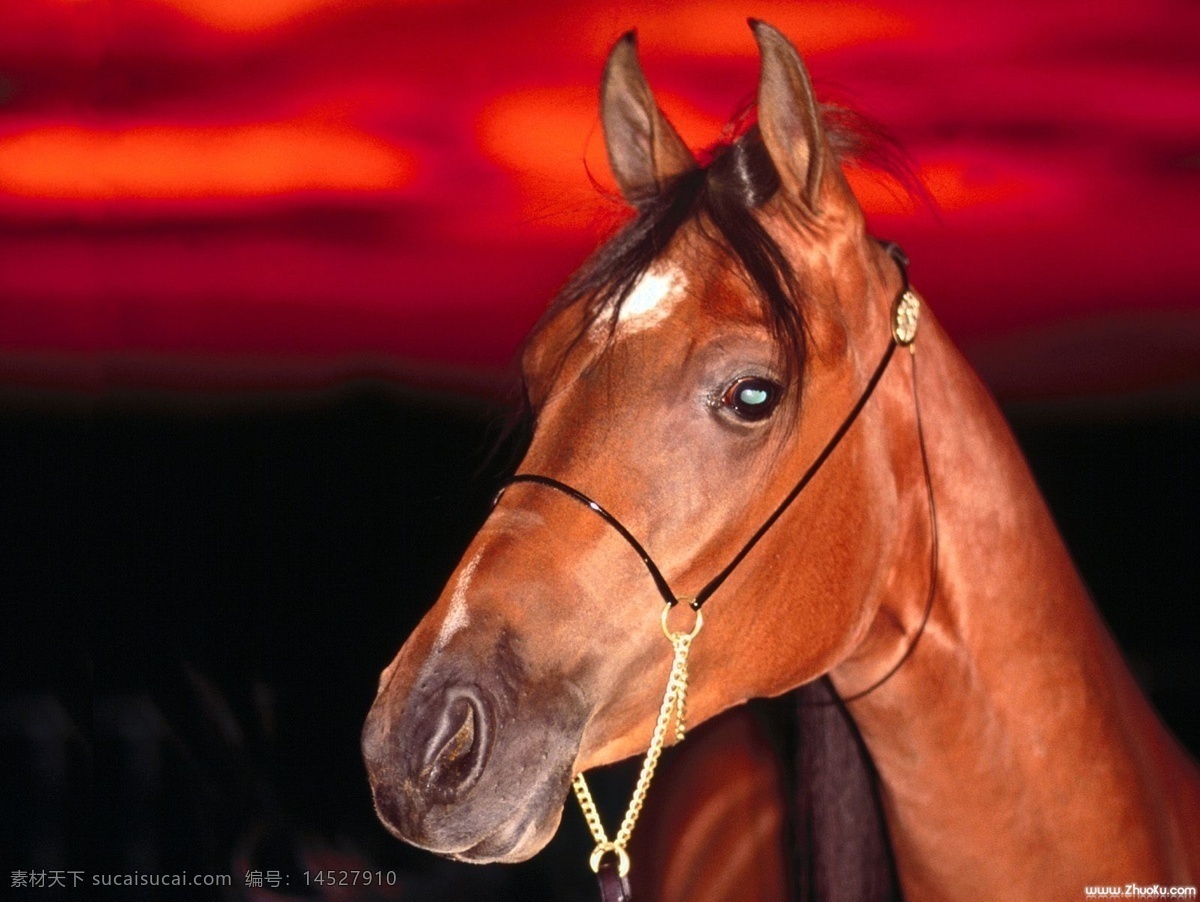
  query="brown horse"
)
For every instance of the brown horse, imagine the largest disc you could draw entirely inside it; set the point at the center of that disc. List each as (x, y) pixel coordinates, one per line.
(720, 378)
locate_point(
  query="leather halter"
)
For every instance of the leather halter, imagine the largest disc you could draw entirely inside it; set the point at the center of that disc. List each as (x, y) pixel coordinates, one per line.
(905, 313)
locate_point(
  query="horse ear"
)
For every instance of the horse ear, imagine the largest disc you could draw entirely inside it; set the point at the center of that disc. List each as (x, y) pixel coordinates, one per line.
(790, 119)
(645, 152)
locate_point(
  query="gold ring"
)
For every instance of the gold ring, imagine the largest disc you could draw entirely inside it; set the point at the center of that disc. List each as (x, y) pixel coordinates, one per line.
(598, 855)
(695, 627)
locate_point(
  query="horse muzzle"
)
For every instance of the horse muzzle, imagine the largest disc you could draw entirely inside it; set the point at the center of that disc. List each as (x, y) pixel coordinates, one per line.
(469, 765)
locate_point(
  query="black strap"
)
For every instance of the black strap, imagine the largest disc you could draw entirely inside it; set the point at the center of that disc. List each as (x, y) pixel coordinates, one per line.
(613, 887)
(660, 581)
(933, 561)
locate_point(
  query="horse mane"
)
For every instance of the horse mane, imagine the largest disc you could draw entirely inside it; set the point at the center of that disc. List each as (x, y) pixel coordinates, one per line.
(836, 831)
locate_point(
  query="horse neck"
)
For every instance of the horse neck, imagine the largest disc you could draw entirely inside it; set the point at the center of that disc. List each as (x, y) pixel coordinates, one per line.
(1014, 731)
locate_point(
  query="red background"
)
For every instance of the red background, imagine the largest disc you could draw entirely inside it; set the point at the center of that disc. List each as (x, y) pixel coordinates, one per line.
(222, 195)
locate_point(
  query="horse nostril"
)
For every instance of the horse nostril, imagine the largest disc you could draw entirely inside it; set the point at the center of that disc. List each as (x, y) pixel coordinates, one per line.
(447, 762)
(462, 741)
(457, 750)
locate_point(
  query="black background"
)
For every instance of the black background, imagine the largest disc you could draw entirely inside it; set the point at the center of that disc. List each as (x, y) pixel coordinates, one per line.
(200, 595)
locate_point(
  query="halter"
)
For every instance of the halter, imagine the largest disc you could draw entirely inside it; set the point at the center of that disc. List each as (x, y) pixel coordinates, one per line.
(905, 317)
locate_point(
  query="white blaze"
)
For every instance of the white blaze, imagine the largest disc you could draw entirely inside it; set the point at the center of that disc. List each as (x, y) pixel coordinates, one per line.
(653, 298)
(458, 618)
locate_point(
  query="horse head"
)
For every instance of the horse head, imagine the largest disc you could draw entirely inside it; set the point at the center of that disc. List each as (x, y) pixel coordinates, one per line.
(685, 378)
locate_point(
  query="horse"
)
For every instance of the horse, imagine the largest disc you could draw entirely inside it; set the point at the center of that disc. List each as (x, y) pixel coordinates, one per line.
(741, 396)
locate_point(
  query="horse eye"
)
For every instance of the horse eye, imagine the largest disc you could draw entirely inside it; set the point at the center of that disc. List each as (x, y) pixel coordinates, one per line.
(752, 398)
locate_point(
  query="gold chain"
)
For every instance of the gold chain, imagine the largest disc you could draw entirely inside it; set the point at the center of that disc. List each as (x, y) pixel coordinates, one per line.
(674, 704)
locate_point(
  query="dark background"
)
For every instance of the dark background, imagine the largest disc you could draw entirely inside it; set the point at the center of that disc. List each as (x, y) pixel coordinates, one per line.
(200, 597)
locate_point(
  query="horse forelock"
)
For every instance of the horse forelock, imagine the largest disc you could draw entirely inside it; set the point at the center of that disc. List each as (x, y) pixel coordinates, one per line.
(720, 198)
